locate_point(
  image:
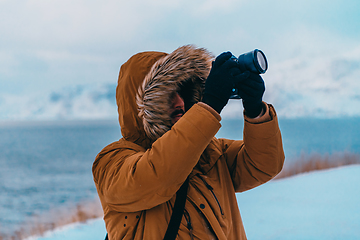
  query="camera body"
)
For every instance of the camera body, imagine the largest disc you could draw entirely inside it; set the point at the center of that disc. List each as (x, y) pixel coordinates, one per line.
(254, 61)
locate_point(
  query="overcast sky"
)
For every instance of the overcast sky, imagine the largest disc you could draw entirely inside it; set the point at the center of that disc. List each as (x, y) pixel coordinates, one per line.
(49, 44)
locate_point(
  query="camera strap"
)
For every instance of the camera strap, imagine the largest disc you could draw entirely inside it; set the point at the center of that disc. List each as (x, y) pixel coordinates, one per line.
(178, 212)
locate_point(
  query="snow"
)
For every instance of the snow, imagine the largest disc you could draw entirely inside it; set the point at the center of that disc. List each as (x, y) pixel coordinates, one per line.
(318, 205)
(93, 229)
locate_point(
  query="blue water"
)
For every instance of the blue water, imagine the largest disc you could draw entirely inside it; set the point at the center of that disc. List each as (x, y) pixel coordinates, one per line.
(47, 165)
(307, 136)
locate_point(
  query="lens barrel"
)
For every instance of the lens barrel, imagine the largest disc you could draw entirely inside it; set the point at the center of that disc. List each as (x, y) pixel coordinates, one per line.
(254, 61)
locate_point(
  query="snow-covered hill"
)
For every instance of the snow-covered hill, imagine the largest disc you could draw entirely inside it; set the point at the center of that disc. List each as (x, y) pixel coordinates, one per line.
(308, 86)
(73, 102)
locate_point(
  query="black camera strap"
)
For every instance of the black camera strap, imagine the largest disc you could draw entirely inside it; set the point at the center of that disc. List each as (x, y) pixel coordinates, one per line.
(177, 213)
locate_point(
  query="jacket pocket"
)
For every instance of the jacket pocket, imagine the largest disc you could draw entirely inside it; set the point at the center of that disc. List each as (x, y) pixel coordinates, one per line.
(212, 192)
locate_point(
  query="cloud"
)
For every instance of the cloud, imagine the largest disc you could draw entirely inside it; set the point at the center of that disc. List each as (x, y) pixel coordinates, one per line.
(71, 23)
(47, 45)
(7, 63)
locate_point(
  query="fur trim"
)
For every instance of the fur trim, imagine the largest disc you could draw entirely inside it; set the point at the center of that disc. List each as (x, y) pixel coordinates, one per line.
(184, 70)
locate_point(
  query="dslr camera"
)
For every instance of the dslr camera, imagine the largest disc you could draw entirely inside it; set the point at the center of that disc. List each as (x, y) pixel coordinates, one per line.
(254, 61)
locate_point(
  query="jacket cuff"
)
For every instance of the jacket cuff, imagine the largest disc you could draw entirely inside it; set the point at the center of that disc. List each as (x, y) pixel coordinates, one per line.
(264, 116)
(211, 110)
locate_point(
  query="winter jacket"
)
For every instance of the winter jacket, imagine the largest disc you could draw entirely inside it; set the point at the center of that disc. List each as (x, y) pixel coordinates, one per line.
(138, 176)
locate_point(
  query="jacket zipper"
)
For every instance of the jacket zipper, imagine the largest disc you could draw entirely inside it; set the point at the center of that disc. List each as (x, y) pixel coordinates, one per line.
(189, 225)
(212, 192)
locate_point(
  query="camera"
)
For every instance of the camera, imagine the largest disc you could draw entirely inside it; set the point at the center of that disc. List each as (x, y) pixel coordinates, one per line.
(254, 61)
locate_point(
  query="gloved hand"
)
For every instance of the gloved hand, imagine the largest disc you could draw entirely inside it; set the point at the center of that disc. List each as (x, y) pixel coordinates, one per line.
(220, 82)
(251, 91)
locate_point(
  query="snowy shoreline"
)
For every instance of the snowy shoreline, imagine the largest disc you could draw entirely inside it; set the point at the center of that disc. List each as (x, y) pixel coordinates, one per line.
(318, 205)
(91, 229)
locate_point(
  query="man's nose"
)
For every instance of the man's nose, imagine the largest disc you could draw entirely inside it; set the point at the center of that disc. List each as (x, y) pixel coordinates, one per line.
(178, 102)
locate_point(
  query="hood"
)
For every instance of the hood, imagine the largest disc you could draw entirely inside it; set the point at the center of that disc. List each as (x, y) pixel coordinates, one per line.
(145, 85)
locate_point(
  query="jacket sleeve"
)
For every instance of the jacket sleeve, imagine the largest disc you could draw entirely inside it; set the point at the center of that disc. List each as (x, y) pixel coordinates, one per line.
(259, 157)
(130, 180)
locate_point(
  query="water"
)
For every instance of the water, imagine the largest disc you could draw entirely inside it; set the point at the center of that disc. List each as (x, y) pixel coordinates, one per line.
(48, 165)
(307, 136)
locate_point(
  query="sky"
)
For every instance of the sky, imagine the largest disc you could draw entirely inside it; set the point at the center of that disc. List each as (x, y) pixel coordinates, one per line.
(49, 45)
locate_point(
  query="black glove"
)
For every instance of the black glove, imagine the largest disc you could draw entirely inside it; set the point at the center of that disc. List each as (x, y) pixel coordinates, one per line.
(223, 76)
(251, 91)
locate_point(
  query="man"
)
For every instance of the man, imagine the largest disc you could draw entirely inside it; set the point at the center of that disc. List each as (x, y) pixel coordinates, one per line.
(169, 111)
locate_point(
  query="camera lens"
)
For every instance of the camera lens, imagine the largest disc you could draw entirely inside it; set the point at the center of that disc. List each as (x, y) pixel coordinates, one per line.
(254, 61)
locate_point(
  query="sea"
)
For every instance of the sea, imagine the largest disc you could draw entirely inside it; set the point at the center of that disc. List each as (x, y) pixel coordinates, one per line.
(46, 166)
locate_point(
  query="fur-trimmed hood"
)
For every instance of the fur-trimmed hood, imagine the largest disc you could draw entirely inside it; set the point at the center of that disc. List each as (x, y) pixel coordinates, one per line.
(147, 81)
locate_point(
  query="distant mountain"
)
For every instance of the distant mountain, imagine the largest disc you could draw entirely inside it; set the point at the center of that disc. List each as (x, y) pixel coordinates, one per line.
(315, 87)
(320, 87)
(78, 102)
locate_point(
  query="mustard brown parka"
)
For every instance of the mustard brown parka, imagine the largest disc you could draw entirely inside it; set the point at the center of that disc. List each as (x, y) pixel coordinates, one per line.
(138, 176)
